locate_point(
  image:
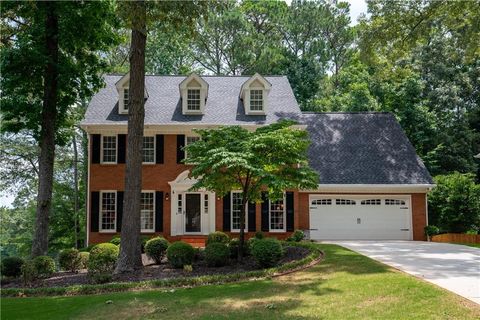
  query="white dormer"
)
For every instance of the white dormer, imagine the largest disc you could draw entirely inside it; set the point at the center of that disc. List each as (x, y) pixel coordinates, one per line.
(254, 94)
(124, 94)
(194, 92)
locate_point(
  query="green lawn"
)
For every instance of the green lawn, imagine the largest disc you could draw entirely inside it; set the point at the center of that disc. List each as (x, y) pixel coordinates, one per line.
(345, 285)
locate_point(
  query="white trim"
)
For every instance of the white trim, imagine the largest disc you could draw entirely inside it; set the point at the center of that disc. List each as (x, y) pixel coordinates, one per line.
(88, 229)
(154, 208)
(184, 204)
(231, 213)
(245, 94)
(284, 216)
(116, 149)
(184, 86)
(372, 188)
(100, 230)
(121, 100)
(154, 149)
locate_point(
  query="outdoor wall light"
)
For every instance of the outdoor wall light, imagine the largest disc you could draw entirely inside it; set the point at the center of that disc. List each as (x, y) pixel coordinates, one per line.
(167, 196)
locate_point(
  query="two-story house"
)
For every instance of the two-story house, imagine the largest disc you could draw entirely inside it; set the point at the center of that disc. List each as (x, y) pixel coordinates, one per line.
(372, 185)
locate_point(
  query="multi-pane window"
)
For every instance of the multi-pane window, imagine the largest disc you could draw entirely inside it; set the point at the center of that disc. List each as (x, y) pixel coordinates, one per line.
(148, 149)
(371, 202)
(109, 147)
(147, 207)
(205, 204)
(108, 211)
(345, 202)
(394, 202)
(193, 99)
(277, 216)
(322, 202)
(126, 98)
(256, 100)
(236, 210)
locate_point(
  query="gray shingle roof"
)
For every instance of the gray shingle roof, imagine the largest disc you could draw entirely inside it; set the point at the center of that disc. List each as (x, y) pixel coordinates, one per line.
(362, 148)
(223, 105)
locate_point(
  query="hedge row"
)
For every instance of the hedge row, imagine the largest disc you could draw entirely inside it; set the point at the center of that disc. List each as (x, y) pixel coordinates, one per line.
(313, 257)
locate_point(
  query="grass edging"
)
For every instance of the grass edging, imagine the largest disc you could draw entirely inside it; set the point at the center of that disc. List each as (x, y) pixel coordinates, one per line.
(311, 259)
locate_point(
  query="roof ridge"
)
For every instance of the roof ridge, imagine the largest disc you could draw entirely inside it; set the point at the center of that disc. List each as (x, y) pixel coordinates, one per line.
(205, 75)
(346, 112)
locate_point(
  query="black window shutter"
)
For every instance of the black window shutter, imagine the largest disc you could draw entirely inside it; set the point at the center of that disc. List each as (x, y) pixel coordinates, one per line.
(290, 210)
(265, 203)
(94, 210)
(119, 210)
(251, 217)
(96, 148)
(159, 148)
(180, 145)
(122, 145)
(226, 212)
(158, 211)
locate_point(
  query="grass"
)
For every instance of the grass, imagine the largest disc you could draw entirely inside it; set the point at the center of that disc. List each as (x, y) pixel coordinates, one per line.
(345, 285)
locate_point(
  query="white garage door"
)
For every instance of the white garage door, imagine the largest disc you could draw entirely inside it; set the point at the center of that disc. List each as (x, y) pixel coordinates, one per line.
(360, 218)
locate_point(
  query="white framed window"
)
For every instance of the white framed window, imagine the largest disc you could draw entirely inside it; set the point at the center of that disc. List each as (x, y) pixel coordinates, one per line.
(277, 215)
(108, 211)
(394, 202)
(256, 100)
(205, 203)
(345, 202)
(147, 211)
(109, 149)
(371, 202)
(148, 152)
(235, 205)
(126, 98)
(322, 202)
(193, 99)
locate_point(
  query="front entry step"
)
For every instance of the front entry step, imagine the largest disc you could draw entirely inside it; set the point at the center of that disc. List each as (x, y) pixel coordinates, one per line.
(196, 242)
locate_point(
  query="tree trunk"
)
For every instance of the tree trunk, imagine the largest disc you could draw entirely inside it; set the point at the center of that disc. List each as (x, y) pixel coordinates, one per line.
(241, 247)
(75, 177)
(130, 257)
(47, 132)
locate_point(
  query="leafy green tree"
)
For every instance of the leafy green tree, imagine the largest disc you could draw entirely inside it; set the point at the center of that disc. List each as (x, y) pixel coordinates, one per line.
(49, 61)
(454, 204)
(273, 157)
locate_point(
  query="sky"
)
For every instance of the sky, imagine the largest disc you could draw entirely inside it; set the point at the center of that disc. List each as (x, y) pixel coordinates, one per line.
(357, 7)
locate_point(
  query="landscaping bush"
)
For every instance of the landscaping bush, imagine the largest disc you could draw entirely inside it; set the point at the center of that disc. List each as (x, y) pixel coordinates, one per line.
(234, 246)
(69, 260)
(29, 272)
(101, 262)
(297, 236)
(217, 236)
(259, 235)
(267, 252)
(431, 231)
(217, 254)
(84, 256)
(12, 266)
(44, 266)
(249, 245)
(180, 253)
(155, 248)
(115, 240)
(87, 248)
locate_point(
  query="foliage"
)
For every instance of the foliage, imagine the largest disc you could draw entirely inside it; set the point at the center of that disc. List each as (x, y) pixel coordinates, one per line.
(233, 245)
(44, 266)
(217, 254)
(180, 253)
(431, 230)
(155, 248)
(84, 257)
(217, 236)
(297, 236)
(29, 272)
(267, 252)
(454, 204)
(69, 260)
(259, 235)
(101, 262)
(12, 266)
(115, 240)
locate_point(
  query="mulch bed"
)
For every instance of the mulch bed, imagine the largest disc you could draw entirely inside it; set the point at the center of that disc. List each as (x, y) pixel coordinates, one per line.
(162, 271)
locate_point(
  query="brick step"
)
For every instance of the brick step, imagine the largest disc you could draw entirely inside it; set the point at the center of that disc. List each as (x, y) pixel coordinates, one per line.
(197, 242)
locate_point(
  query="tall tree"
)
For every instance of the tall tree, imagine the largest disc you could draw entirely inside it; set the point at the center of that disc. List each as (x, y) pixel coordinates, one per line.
(49, 61)
(272, 158)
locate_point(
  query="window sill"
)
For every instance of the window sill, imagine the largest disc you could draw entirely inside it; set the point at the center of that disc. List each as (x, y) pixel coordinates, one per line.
(147, 231)
(108, 163)
(107, 231)
(149, 163)
(238, 231)
(277, 231)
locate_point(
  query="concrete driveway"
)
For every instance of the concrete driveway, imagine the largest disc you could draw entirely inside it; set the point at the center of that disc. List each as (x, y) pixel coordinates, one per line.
(453, 267)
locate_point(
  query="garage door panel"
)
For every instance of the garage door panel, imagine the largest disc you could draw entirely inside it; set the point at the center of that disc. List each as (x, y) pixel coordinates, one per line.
(360, 217)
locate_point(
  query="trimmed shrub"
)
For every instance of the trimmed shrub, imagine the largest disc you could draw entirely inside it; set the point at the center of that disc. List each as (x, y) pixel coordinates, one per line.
(180, 253)
(217, 236)
(87, 248)
(217, 254)
(267, 252)
(249, 245)
(115, 240)
(144, 240)
(259, 235)
(12, 266)
(233, 246)
(84, 256)
(44, 266)
(155, 248)
(69, 260)
(29, 272)
(101, 262)
(297, 236)
(431, 231)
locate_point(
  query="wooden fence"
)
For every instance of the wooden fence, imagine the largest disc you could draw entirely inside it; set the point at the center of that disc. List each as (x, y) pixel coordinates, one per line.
(457, 238)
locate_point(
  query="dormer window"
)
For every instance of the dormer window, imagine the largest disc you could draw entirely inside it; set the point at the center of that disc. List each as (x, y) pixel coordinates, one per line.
(124, 94)
(254, 94)
(193, 93)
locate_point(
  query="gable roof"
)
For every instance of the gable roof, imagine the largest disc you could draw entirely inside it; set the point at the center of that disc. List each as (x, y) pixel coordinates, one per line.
(223, 106)
(362, 148)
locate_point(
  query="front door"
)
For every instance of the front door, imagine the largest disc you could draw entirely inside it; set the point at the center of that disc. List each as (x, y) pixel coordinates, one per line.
(192, 213)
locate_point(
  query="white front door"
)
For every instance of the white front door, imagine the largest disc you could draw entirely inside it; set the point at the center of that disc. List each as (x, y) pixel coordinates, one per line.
(353, 217)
